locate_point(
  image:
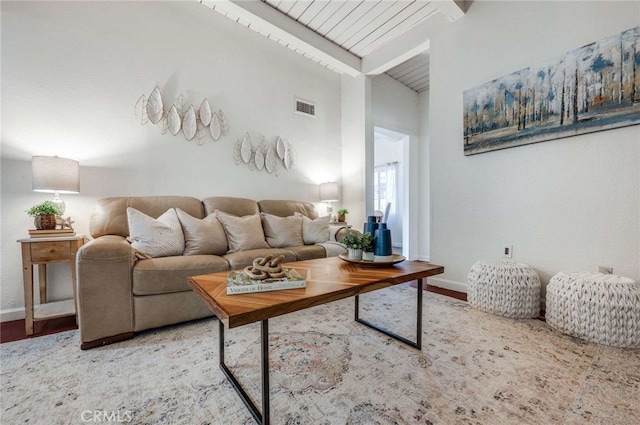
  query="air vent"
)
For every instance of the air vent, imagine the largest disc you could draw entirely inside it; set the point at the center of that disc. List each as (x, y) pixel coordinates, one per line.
(305, 108)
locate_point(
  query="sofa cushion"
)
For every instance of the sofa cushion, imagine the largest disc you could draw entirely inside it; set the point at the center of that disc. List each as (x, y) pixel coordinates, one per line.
(243, 233)
(282, 232)
(241, 259)
(234, 206)
(202, 236)
(308, 252)
(170, 274)
(287, 208)
(153, 237)
(109, 215)
(315, 231)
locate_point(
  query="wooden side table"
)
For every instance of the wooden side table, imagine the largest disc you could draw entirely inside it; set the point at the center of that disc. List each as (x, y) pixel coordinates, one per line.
(40, 252)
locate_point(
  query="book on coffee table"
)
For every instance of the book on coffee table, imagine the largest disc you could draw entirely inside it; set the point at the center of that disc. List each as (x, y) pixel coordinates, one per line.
(239, 282)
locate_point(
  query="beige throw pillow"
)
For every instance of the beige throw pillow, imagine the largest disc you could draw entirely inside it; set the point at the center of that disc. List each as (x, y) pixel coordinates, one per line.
(202, 236)
(282, 232)
(315, 231)
(155, 237)
(243, 233)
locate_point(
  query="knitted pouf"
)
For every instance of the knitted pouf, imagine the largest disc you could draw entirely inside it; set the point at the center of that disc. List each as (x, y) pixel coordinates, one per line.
(504, 288)
(597, 307)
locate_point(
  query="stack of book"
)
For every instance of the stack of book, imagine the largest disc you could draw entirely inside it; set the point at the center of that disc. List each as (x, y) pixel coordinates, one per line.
(239, 282)
(53, 233)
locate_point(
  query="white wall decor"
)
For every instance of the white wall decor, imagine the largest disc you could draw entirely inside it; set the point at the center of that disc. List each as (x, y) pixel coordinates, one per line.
(205, 113)
(154, 106)
(265, 156)
(182, 117)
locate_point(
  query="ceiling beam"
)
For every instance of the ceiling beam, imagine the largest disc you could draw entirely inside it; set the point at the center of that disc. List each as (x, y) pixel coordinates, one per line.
(411, 43)
(452, 9)
(377, 64)
(404, 47)
(270, 21)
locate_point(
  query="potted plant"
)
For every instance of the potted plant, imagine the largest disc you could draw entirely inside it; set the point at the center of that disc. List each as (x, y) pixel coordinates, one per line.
(353, 242)
(367, 247)
(44, 215)
(342, 214)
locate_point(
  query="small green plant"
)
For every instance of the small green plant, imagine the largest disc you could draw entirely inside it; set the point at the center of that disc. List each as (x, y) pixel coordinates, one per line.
(367, 242)
(352, 240)
(43, 208)
(342, 211)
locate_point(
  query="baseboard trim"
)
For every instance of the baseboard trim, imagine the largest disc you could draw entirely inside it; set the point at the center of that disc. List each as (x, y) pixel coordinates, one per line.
(11, 314)
(447, 284)
(107, 340)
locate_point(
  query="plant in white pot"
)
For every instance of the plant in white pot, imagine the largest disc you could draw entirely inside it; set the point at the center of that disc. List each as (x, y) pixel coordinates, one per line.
(44, 215)
(353, 242)
(367, 247)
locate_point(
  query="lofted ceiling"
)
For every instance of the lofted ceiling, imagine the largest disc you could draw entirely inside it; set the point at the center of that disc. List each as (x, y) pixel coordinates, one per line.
(359, 27)
(413, 73)
(341, 34)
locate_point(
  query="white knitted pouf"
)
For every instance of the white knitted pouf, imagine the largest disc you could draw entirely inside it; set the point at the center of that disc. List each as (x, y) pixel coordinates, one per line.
(504, 288)
(597, 307)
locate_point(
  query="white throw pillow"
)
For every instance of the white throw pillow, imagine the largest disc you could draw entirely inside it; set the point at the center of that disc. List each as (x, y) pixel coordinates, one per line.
(282, 232)
(155, 237)
(243, 233)
(202, 236)
(315, 231)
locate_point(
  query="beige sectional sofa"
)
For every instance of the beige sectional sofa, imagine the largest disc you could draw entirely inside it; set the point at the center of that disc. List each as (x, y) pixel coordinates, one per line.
(120, 293)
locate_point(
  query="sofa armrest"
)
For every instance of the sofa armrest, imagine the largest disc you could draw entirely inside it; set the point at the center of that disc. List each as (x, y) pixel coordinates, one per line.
(104, 290)
(336, 233)
(339, 232)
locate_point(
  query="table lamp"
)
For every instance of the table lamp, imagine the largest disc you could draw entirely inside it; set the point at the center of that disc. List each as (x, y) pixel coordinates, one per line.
(329, 194)
(55, 175)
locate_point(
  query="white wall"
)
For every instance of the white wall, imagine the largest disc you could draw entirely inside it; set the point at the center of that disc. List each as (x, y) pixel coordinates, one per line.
(422, 177)
(72, 73)
(567, 204)
(395, 107)
(357, 148)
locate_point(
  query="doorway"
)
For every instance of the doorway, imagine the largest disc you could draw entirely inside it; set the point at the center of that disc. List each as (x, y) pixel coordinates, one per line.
(389, 171)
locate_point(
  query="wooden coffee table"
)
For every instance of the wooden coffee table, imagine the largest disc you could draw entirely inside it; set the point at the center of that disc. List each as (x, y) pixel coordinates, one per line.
(328, 279)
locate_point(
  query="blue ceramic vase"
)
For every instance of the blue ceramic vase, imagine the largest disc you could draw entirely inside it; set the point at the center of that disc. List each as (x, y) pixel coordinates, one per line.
(370, 226)
(382, 244)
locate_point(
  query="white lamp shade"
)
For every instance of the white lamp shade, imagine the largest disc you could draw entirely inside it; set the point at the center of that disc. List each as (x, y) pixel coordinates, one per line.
(54, 174)
(329, 192)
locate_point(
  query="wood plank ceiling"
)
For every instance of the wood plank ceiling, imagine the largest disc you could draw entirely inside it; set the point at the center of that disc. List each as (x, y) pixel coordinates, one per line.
(413, 73)
(359, 27)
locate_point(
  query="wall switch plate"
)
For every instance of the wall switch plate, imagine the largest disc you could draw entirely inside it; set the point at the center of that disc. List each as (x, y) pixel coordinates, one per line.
(507, 251)
(605, 269)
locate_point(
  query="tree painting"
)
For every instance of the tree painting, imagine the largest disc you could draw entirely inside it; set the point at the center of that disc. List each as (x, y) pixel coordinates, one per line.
(593, 88)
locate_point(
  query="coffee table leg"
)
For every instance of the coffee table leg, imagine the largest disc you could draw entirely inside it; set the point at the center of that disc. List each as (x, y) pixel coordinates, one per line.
(418, 343)
(264, 417)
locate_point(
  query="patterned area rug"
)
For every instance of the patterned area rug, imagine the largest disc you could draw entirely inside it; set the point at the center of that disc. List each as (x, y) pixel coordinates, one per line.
(474, 368)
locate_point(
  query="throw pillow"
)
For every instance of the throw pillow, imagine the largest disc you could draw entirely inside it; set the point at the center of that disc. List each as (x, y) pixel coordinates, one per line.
(243, 233)
(282, 232)
(315, 231)
(202, 236)
(155, 237)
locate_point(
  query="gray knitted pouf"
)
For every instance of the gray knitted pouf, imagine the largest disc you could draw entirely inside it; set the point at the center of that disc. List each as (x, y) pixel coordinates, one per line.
(597, 307)
(505, 288)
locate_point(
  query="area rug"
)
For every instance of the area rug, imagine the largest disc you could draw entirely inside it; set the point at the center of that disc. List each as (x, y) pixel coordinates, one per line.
(474, 368)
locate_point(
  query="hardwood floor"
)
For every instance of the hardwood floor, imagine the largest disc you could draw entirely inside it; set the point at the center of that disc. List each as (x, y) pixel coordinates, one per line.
(14, 330)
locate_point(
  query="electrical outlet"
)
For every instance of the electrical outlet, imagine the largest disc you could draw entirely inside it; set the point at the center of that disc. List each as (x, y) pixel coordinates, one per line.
(605, 269)
(507, 251)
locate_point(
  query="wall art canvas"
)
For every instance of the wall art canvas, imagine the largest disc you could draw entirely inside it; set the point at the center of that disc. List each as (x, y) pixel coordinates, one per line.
(593, 88)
